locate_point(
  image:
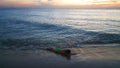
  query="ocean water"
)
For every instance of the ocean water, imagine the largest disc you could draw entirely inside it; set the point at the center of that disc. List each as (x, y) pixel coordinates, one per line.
(37, 28)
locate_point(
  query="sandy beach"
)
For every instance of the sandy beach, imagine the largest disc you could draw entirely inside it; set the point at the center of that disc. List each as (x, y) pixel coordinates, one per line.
(86, 57)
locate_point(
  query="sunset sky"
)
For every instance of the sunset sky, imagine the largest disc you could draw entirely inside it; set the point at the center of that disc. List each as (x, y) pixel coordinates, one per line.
(61, 3)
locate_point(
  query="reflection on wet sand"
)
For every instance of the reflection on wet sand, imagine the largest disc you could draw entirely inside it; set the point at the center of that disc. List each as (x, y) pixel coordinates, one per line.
(93, 57)
(93, 53)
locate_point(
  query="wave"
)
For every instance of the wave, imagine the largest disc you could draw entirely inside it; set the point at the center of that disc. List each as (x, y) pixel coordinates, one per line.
(93, 19)
(19, 33)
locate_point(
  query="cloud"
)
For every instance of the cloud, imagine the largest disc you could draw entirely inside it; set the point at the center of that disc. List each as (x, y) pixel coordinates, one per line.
(113, 1)
(37, 0)
(104, 1)
(50, 0)
(57, 3)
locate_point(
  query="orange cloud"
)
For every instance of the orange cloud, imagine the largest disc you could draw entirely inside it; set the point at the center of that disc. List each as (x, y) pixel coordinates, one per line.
(88, 5)
(62, 3)
(18, 4)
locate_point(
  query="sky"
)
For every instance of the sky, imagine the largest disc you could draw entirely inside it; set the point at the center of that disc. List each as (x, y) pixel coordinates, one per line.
(61, 3)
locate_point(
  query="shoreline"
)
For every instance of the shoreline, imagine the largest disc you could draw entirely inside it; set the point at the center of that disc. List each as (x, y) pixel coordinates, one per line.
(93, 57)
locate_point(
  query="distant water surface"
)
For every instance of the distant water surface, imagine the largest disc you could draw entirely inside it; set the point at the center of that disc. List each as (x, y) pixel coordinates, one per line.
(36, 28)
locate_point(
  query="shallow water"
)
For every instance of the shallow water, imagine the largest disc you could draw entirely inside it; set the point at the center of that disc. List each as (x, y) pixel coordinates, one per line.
(37, 28)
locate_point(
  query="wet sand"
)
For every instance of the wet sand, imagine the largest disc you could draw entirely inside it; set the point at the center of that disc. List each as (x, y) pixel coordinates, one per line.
(97, 53)
(87, 57)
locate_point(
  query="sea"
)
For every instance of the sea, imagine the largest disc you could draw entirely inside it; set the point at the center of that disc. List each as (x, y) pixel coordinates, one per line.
(34, 28)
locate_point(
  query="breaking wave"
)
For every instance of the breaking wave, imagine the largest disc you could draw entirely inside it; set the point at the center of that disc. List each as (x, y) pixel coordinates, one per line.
(16, 33)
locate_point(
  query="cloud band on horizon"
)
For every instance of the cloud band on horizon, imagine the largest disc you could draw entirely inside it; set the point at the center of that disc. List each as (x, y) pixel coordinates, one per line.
(61, 3)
